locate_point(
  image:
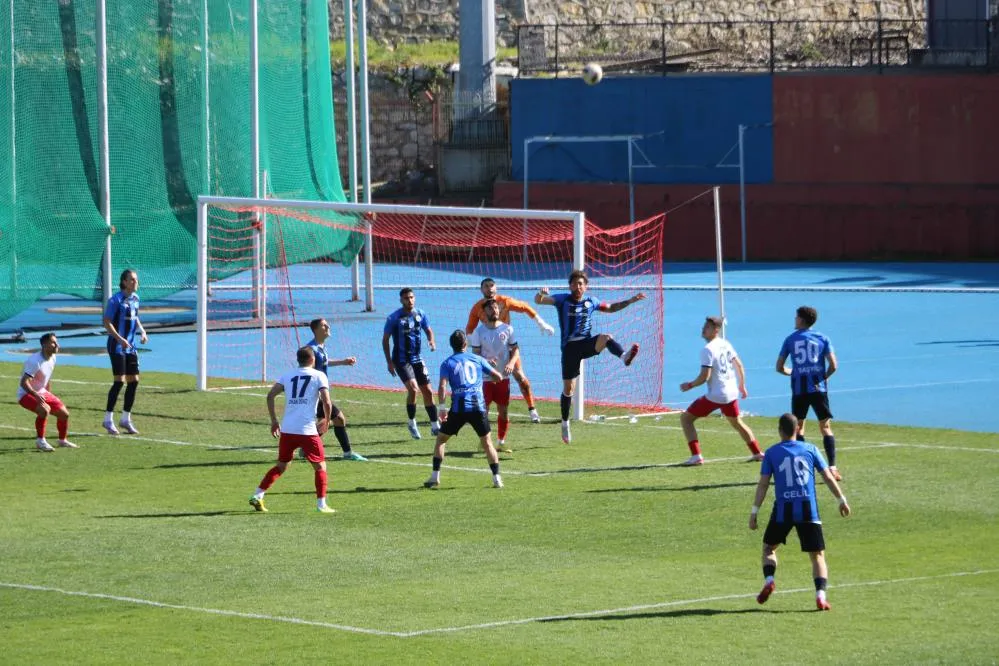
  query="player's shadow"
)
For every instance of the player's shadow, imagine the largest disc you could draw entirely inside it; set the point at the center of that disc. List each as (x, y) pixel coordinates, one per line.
(358, 490)
(191, 514)
(657, 489)
(686, 612)
(220, 463)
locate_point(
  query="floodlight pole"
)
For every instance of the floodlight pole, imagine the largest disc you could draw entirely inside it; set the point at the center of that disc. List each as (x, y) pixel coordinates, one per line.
(742, 187)
(105, 149)
(349, 82)
(362, 38)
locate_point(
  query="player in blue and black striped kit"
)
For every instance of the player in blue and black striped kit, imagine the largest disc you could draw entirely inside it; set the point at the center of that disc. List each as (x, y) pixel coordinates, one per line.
(121, 321)
(464, 371)
(403, 328)
(813, 362)
(792, 464)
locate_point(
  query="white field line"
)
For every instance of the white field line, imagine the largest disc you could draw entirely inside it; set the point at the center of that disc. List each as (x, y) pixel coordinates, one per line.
(57, 381)
(473, 627)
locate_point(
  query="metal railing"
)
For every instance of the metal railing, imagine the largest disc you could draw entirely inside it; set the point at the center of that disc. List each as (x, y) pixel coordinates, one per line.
(762, 46)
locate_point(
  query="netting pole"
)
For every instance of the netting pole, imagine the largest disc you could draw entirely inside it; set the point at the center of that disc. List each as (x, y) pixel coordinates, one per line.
(350, 83)
(202, 304)
(742, 187)
(362, 39)
(579, 263)
(718, 257)
(262, 234)
(205, 63)
(255, 152)
(105, 150)
(13, 149)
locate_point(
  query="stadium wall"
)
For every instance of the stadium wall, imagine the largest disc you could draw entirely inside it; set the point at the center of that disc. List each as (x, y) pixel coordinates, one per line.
(855, 166)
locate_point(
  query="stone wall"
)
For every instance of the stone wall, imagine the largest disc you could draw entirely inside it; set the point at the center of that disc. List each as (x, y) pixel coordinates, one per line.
(407, 21)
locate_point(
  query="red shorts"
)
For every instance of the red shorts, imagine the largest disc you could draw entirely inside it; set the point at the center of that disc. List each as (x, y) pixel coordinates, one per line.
(498, 392)
(312, 445)
(29, 402)
(702, 407)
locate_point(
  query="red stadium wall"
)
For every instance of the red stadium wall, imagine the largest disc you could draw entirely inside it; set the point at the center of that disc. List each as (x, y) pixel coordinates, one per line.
(865, 167)
(795, 221)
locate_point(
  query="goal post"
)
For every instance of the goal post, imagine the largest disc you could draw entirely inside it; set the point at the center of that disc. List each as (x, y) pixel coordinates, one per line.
(442, 253)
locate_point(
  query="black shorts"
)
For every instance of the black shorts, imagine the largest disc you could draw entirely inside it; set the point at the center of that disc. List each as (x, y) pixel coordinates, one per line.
(809, 535)
(478, 420)
(574, 352)
(819, 402)
(407, 371)
(124, 364)
(335, 412)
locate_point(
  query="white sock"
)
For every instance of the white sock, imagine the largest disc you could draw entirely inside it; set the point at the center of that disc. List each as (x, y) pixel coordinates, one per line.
(435, 424)
(126, 417)
(496, 478)
(435, 475)
(412, 422)
(109, 416)
(259, 494)
(321, 502)
(820, 595)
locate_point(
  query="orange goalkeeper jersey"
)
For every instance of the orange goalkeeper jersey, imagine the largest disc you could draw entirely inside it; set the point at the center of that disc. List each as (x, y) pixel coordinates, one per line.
(507, 305)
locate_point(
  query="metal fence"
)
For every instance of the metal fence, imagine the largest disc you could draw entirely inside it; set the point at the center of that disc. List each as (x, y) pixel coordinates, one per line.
(744, 46)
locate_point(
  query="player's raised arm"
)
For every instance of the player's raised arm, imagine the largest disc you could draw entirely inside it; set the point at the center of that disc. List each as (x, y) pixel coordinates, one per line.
(275, 391)
(620, 305)
(761, 494)
(543, 297)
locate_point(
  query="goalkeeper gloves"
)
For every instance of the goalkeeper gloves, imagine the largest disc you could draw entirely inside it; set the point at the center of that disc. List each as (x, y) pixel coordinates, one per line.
(543, 325)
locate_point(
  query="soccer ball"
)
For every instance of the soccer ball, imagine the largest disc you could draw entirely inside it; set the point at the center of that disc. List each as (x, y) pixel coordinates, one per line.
(592, 73)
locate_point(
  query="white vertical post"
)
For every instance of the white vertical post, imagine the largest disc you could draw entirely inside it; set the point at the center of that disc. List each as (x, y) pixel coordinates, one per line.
(719, 261)
(527, 146)
(105, 149)
(579, 263)
(350, 82)
(262, 292)
(205, 61)
(13, 147)
(362, 38)
(631, 185)
(742, 187)
(202, 304)
(255, 152)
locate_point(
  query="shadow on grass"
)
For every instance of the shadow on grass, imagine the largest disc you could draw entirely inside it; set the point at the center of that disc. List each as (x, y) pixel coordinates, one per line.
(192, 514)
(686, 612)
(656, 489)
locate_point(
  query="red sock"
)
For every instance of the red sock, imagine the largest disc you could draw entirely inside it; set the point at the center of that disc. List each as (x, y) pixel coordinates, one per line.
(754, 446)
(40, 425)
(320, 483)
(63, 426)
(695, 447)
(270, 477)
(502, 425)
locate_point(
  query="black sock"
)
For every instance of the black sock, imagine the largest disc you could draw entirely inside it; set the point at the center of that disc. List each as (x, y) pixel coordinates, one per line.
(129, 396)
(820, 584)
(342, 437)
(566, 402)
(411, 411)
(494, 467)
(614, 347)
(769, 570)
(800, 438)
(829, 444)
(431, 412)
(437, 463)
(113, 395)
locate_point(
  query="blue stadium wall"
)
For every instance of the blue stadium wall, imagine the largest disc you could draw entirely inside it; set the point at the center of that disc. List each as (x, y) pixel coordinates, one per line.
(689, 127)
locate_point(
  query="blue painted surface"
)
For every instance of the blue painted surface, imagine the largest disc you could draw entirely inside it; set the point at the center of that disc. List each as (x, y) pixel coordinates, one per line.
(917, 359)
(690, 125)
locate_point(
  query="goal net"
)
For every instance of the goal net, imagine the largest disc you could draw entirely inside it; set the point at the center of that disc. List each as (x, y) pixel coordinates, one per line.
(268, 267)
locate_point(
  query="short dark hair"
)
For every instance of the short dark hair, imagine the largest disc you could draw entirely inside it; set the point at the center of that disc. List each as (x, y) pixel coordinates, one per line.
(808, 314)
(404, 291)
(314, 324)
(124, 274)
(46, 337)
(458, 340)
(486, 303)
(573, 276)
(787, 425)
(717, 322)
(304, 355)
(485, 280)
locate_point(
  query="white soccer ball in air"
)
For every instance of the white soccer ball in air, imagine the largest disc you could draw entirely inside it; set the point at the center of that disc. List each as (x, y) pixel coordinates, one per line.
(592, 73)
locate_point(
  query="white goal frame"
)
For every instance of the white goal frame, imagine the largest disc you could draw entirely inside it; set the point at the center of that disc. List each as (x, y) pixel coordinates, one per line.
(578, 220)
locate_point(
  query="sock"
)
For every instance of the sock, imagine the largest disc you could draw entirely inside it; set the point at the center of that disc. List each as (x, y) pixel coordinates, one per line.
(431, 412)
(113, 397)
(130, 395)
(494, 468)
(566, 403)
(614, 347)
(754, 446)
(270, 477)
(411, 411)
(63, 427)
(525, 390)
(502, 425)
(800, 438)
(321, 485)
(126, 416)
(109, 416)
(820, 584)
(342, 437)
(768, 572)
(40, 426)
(695, 447)
(437, 463)
(259, 493)
(829, 444)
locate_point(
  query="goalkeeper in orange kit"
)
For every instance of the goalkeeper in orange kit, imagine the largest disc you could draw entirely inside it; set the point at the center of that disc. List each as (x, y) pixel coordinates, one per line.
(507, 305)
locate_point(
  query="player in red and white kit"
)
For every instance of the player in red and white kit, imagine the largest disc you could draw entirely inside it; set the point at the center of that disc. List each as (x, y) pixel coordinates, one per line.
(305, 388)
(34, 395)
(495, 341)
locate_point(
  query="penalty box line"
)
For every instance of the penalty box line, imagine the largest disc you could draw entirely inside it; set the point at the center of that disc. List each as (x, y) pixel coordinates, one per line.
(468, 627)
